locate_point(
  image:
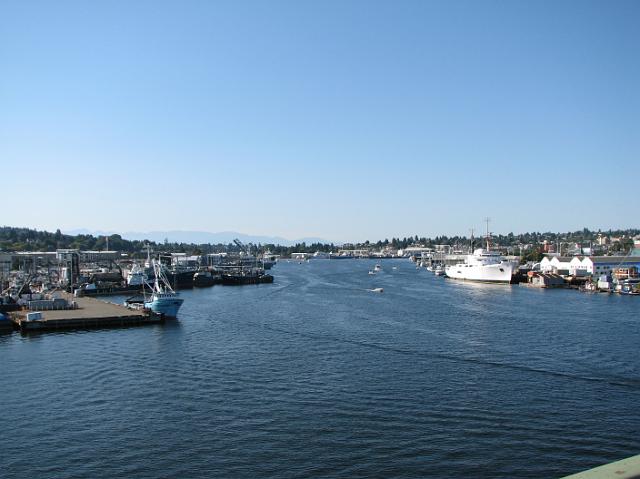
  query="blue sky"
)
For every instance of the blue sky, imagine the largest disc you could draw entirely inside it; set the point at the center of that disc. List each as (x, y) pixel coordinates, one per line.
(347, 120)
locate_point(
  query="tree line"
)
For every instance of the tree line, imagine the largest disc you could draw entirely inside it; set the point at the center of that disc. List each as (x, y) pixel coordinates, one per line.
(25, 239)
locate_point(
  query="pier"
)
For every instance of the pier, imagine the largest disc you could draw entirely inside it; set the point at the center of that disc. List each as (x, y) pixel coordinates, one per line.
(89, 313)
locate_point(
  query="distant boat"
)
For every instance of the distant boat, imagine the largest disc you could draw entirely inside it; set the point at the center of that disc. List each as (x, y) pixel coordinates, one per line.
(164, 300)
(628, 290)
(605, 283)
(439, 270)
(377, 290)
(245, 277)
(136, 276)
(203, 279)
(269, 259)
(377, 267)
(371, 272)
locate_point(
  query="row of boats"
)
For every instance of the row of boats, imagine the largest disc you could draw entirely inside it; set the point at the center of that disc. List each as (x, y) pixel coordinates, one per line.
(164, 299)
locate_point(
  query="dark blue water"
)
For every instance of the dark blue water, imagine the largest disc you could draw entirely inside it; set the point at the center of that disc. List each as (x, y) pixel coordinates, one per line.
(314, 376)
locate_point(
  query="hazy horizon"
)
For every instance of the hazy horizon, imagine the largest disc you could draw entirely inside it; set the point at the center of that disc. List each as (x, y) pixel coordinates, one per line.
(348, 121)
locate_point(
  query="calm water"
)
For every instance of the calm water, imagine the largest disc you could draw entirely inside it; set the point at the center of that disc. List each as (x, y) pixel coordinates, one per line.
(314, 376)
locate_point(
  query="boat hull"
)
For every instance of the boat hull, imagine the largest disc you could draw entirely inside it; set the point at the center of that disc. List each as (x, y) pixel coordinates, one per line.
(180, 280)
(167, 307)
(234, 280)
(493, 273)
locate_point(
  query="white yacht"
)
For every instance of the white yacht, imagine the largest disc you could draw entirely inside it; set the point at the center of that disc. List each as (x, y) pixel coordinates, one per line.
(483, 265)
(164, 300)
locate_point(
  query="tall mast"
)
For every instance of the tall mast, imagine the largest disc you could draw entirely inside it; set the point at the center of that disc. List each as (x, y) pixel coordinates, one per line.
(156, 273)
(487, 219)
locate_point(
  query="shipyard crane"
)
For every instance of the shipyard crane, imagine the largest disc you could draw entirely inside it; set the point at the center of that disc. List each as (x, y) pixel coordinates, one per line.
(244, 248)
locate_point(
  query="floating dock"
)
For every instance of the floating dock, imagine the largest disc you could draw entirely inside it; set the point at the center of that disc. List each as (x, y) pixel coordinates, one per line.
(89, 313)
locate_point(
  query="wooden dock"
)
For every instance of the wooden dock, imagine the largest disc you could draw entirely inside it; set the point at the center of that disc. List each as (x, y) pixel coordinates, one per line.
(90, 313)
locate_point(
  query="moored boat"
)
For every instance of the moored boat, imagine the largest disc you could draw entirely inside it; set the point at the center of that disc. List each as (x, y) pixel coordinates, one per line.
(203, 279)
(239, 278)
(163, 300)
(483, 265)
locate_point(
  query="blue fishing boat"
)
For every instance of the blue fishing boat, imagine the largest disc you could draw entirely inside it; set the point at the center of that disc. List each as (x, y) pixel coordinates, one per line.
(163, 300)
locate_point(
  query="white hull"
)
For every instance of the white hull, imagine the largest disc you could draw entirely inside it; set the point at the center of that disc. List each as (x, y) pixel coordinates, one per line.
(492, 273)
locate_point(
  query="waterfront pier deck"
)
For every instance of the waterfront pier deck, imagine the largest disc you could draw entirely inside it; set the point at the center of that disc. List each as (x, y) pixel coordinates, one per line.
(90, 313)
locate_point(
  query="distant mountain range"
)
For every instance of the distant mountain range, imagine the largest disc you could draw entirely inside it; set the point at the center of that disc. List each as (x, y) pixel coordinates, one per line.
(198, 237)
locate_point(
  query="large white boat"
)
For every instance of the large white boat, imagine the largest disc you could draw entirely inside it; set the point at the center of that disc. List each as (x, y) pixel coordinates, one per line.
(483, 265)
(164, 300)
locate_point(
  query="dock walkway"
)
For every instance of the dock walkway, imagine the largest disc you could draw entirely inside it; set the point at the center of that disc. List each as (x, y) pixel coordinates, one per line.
(90, 313)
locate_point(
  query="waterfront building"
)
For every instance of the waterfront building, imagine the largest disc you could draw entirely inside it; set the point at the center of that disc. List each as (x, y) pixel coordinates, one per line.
(94, 256)
(587, 265)
(416, 251)
(66, 255)
(556, 264)
(577, 267)
(182, 259)
(604, 265)
(5, 266)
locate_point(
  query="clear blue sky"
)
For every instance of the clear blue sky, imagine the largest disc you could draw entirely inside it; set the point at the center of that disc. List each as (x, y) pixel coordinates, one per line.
(347, 120)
